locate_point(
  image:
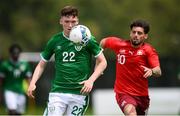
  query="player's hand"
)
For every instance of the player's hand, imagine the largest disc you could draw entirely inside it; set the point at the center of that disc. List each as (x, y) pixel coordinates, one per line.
(30, 90)
(148, 72)
(87, 86)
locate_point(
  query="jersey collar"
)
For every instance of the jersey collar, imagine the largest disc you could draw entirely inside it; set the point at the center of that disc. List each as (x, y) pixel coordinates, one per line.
(65, 36)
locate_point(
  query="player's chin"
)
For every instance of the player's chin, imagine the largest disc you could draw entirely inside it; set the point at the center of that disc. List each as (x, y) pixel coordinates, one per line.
(136, 42)
(68, 31)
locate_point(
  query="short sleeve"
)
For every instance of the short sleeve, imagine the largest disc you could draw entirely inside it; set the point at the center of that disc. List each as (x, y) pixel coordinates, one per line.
(112, 42)
(48, 50)
(153, 58)
(94, 47)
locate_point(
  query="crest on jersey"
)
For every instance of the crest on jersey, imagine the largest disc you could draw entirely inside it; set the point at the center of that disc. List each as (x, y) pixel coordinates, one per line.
(78, 47)
(139, 52)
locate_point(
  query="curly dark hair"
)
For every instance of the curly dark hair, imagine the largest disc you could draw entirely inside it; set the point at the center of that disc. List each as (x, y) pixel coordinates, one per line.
(141, 23)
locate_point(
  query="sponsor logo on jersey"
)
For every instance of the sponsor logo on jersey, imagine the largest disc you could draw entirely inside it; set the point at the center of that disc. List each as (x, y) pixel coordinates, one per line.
(130, 52)
(78, 47)
(58, 47)
(122, 51)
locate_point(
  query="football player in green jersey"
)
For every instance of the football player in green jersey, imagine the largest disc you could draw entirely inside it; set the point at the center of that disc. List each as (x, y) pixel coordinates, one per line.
(73, 81)
(12, 74)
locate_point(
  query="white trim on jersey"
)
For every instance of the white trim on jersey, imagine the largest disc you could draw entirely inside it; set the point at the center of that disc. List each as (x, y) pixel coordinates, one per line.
(43, 58)
(65, 36)
(98, 54)
(51, 59)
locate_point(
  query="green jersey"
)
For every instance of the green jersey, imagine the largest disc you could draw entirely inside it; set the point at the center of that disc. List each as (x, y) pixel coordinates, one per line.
(72, 62)
(14, 74)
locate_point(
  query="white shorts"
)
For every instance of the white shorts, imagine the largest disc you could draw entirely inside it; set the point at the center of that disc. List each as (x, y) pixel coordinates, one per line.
(15, 101)
(66, 104)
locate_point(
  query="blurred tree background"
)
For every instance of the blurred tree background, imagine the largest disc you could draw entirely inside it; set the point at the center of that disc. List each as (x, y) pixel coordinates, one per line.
(32, 22)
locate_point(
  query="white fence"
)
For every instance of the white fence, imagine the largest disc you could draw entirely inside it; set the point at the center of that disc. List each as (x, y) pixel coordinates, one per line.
(164, 101)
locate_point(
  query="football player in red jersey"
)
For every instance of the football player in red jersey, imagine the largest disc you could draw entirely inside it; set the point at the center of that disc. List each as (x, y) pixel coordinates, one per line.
(136, 60)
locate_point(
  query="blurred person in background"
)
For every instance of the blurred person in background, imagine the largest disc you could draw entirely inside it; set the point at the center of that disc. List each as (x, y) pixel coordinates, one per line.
(73, 80)
(136, 61)
(12, 74)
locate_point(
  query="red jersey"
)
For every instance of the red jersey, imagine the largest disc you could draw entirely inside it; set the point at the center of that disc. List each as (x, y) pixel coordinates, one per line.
(129, 62)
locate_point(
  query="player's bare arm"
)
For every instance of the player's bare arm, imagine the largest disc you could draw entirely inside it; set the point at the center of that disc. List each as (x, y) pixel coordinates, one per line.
(100, 67)
(37, 74)
(156, 72)
(96, 64)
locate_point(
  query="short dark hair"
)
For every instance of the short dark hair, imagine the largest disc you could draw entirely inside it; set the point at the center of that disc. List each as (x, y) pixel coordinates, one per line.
(141, 23)
(69, 11)
(13, 47)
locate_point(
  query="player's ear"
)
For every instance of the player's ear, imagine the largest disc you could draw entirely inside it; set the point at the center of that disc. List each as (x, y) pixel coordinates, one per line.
(60, 20)
(77, 22)
(146, 36)
(130, 33)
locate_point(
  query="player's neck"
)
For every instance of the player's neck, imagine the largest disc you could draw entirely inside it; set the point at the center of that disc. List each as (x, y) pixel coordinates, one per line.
(67, 37)
(137, 46)
(66, 34)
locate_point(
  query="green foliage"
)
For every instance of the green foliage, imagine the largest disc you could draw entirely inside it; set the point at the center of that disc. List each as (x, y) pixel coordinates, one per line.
(32, 22)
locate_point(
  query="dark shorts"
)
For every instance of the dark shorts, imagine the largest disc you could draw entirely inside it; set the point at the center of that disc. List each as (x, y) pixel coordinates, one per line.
(140, 102)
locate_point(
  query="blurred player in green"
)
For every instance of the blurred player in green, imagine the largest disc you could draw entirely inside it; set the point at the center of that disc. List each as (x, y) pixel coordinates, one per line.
(12, 73)
(73, 79)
